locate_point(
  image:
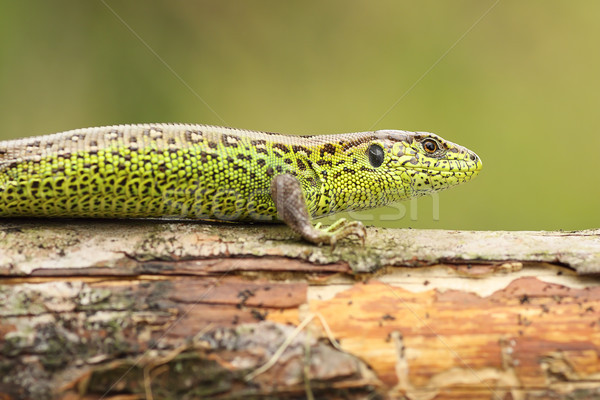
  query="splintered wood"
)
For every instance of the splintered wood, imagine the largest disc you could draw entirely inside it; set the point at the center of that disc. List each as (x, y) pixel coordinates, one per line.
(100, 310)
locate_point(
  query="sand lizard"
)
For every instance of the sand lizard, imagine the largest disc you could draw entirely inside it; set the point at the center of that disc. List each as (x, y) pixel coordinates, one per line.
(215, 173)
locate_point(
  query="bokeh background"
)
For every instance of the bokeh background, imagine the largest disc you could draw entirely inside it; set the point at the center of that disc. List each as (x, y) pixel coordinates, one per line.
(517, 82)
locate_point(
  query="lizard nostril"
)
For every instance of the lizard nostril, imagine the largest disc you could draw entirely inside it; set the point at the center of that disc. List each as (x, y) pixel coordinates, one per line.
(473, 157)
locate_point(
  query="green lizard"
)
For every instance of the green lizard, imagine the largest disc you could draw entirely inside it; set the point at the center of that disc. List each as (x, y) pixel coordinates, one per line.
(208, 172)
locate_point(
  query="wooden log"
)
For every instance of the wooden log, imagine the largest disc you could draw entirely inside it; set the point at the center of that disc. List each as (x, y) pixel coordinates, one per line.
(146, 309)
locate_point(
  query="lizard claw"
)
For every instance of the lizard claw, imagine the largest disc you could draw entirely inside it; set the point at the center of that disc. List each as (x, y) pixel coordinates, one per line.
(341, 229)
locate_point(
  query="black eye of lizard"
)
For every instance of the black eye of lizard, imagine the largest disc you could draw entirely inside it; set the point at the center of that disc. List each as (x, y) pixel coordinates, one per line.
(430, 145)
(375, 155)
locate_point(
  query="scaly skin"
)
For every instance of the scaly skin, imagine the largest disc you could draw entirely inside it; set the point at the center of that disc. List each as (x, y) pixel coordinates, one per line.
(207, 172)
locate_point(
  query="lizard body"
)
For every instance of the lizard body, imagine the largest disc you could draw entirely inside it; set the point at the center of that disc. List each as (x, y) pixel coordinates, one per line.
(208, 172)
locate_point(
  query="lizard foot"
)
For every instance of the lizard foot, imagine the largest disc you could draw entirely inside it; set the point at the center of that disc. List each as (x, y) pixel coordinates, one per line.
(341, 229)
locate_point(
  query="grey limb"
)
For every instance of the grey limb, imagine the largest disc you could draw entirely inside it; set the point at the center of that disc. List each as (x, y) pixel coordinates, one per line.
(287, 194)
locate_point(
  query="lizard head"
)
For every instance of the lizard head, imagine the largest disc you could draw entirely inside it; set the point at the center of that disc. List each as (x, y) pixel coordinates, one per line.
(371, 169)
(423, 161)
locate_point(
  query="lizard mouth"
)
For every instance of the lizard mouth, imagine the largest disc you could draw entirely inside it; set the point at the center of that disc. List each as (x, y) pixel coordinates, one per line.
(452, 167)
(460, 161)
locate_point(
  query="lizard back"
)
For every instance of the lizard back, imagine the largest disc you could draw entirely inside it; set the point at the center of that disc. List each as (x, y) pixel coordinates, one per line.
(146, 170)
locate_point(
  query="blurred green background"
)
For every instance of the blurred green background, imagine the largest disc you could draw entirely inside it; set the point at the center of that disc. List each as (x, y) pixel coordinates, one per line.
(521, 87)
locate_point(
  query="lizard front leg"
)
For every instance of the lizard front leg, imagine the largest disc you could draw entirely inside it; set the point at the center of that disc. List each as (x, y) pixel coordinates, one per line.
(287, 194)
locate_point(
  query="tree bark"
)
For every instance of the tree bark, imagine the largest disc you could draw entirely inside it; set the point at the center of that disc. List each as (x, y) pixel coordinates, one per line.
(95, 309)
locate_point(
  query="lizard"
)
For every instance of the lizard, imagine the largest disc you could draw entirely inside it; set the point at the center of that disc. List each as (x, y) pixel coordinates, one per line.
(215, 173)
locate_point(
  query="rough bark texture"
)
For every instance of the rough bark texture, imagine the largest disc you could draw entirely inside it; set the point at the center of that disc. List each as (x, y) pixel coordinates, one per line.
(147, 309)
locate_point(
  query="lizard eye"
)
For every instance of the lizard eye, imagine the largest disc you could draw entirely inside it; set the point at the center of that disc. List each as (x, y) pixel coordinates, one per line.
(375, 155)
(430, 145)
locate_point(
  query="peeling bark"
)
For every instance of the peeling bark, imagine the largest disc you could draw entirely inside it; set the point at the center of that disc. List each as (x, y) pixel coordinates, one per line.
(147, 309)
